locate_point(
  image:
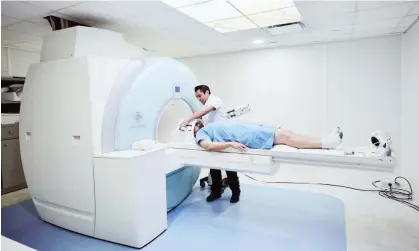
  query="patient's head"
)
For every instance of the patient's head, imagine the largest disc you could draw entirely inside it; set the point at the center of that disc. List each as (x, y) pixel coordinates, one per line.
(202, 92)
(198, 125)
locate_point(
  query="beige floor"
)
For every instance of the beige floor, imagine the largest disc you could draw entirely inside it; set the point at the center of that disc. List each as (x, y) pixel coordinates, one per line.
(14, 197)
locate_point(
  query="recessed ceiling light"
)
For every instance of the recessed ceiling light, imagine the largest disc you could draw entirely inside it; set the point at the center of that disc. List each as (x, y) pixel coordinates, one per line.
(210, 11)
(258, 41)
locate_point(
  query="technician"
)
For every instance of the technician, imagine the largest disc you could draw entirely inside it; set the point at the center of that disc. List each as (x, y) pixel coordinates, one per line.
(213, 111)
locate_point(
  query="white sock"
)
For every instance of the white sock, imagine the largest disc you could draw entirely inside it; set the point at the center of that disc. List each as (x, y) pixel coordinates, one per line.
(333, 140)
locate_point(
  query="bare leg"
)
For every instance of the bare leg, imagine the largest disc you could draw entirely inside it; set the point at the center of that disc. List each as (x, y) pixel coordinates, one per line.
(289, 138)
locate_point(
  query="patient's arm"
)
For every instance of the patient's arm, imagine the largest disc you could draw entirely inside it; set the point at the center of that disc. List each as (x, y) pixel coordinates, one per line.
(206, 109)
(219, 146)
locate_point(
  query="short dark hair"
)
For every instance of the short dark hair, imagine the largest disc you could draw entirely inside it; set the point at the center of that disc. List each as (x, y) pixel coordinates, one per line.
(203, 88)
(200, 125)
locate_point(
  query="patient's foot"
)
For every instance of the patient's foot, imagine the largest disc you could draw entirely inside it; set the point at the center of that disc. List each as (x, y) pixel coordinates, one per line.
(334, 140)
(235, 198)
(212, 197)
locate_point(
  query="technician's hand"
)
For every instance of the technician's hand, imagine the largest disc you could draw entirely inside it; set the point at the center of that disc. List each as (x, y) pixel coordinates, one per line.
(238, 146)
(184, 123)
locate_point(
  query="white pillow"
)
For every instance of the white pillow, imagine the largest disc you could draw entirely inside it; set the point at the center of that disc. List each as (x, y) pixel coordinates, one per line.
(144, 145)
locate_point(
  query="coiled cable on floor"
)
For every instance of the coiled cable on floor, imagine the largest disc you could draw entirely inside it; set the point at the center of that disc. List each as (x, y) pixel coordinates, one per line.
(397, 194)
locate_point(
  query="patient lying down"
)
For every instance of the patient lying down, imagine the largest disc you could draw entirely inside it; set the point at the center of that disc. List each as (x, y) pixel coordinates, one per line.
(221, 135)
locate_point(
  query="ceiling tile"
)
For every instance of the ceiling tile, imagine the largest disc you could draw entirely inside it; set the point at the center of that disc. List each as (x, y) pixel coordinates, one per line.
(134, 9)
(158, 40)
(302, 2)
(371, 31)
(327, 7)
(283, 30)
(294, 39)
(16, 36)
(43, 21)
(282, 16)
(368, 5)
(144, 13)
(211, 11)
(247, 36)
(415, 9)
(165, 18)
(94, 12)
(327, 36)
(53, 5)
(256, 6)
(319, 21)
(405, 23)
(232, 24)
(408, 20)
(60, 15)
(21, 10)
(30, 28)
(378, 24)
(392, 11)
(199, 33)
(182, 3)
(6, 21)
(378, 28)
(39, 20)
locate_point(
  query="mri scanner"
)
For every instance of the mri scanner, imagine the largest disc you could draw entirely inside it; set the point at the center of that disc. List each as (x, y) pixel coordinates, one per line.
(84, 107)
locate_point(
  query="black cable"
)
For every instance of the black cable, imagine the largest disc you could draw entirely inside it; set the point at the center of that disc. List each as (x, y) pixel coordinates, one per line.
(397, 194)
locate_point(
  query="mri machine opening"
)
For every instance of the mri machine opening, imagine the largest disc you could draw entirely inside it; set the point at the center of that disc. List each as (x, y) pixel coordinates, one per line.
(170, 118)
(168, 131)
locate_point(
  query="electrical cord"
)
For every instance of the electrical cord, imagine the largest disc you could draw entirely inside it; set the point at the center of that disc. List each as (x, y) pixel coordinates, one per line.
(397, 194)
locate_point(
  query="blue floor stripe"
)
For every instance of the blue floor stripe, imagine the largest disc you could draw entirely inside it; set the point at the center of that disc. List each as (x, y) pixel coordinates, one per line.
(264, 219)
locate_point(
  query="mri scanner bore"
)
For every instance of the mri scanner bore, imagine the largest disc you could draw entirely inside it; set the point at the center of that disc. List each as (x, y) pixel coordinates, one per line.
(106, 103)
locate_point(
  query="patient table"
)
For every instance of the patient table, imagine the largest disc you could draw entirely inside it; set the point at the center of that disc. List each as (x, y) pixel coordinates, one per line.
(268, 161)
(83, 108)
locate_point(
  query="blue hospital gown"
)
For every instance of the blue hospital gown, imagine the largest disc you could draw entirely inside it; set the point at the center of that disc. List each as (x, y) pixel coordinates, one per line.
(251, 135)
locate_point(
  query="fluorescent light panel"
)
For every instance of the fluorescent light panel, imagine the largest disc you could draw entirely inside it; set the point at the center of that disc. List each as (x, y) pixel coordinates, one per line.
(257, 6)
(282, 16)
(232, 24)
(182, 3)
(211, 11)
(223, 17)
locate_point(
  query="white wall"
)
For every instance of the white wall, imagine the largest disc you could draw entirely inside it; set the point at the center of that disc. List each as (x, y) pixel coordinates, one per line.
(410, 105)
(4, 62)
(311, 89)
(16, 62)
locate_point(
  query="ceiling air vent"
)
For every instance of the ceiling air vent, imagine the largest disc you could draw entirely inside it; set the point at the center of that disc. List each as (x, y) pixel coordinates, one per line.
(58, 23)
(280, 29)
